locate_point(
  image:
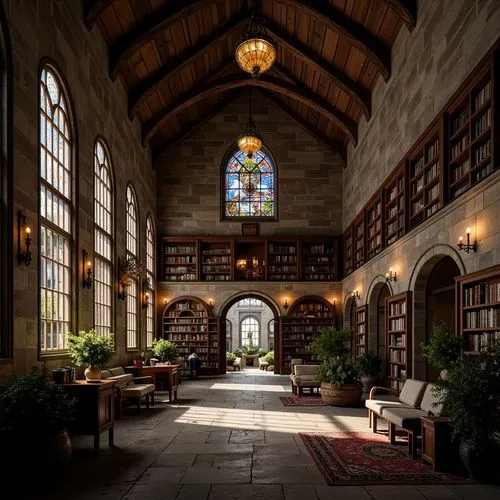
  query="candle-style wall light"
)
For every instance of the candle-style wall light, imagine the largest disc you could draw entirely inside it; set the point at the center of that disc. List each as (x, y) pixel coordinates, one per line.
(355, 294)
(467, 246)
(23, 240)
(87, 270)
(390, 276)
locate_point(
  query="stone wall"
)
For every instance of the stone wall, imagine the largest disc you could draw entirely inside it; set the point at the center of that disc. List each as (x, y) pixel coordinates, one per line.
(309, 174)
(428, 65)
(54, 30)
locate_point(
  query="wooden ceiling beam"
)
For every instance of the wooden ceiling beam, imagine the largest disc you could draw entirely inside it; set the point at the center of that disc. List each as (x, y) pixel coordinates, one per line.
(92, 11)
(298, 92)
(337, 146)
(141, 91)
(147, 29)
(355, 91)
(193, 126)
(406, 10)
(367, 43)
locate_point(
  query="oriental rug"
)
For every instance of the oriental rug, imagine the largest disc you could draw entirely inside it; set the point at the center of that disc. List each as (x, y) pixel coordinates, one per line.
(301, 401)
(361, 458)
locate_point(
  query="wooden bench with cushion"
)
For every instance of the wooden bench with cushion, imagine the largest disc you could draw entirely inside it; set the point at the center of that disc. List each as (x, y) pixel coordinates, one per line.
(128, 387)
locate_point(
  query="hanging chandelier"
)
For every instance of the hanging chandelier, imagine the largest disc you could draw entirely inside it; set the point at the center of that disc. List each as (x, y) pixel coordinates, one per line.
(256, 51)
(250, 141)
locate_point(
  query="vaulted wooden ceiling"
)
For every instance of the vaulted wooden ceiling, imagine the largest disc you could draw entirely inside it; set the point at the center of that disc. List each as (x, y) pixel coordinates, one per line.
(176, 59)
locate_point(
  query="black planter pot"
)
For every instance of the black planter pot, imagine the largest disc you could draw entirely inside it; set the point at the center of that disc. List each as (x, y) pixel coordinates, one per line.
(480, 459)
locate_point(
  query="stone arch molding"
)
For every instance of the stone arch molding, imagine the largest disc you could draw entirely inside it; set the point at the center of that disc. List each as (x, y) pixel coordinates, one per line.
(372, 287)
(434, 254)
(253, 294)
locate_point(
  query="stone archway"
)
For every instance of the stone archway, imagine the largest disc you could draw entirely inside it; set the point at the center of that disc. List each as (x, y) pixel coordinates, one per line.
(418, 284)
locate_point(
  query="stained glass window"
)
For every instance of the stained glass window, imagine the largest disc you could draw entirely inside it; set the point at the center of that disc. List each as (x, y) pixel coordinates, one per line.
(249, 187)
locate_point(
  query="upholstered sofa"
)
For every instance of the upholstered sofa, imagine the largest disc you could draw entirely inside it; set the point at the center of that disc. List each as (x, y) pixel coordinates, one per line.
(128, 387)
(305, 378)
(417, 399)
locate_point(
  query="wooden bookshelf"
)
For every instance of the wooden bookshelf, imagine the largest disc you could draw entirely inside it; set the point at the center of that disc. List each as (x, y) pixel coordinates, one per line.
(305, 319)
(216, 260)
(398, 339)
(188, 322)
(348, 251)
(360, 333)
(179, 259)
(374, 226)
(319, 260)
(359, 241)
(478, 308)
(394, 206)
(282, 260)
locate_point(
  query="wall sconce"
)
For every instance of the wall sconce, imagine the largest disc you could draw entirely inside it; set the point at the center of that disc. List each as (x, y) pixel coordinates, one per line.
(23, 233)
(390, 276)
(87, 270)
(165, 302)
(355, 294)
(145, 300)
(210, 304)
(146, 295)
(468, 246)
(285, 304)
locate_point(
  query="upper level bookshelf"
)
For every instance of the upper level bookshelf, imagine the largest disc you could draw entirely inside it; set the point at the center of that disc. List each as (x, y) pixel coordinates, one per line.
(188, 322)
(361, 317)
(478, 308)
(359, 241)
(374, 226)
(394, 203)
(305, 319)
(348, 252)
(254, 258)
(398, 339)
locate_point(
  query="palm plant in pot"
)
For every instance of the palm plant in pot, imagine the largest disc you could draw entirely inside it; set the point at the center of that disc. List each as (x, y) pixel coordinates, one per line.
(471, 398)
(368, 365)
(90, 350)
(338, 376)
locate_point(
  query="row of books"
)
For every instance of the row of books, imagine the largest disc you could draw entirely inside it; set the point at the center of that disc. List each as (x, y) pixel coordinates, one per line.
(177, 249)
(478, 342)
(483, 95)
(484, 293)
(483, 318)
(460, 170)
(459, 121)
(374, 212)
(433, 193)
(194, 331)
(397, 340)
(397, 308)
(283, 258)
(482, 152)
(397, 356)
(318, 249)
(186, 259)
(281, 249)
(216, 251)
(432, 173)
(219, 259)
(222, 268)
(187, 337)
(178, 269)
(482, 123)
(217, 277)
(459, 146)
(432, 150)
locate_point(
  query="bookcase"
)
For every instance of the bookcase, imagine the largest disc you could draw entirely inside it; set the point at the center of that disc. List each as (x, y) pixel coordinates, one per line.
(348, 254)
(470, 126)
(305, 319)
(374, 226)
(319, 260)
(359, 241)
(478, 308)
(394, 202)
(188, 322)
(179, 260)
(282, 260)
(216, 260)
(425, 166)
(398, 339)
(361, 316)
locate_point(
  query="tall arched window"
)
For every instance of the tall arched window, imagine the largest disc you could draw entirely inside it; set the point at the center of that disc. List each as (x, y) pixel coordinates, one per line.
(103, 240)
(249, 187)
(132, 253)
(250, 329)
(150, 277)
(56, 176)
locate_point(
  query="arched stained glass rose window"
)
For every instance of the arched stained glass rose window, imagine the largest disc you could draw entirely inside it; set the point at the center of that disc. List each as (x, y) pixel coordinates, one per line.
(250, 187)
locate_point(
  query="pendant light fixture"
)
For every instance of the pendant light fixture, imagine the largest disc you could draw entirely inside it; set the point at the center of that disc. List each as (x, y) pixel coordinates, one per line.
(256, 51)
(250, 141)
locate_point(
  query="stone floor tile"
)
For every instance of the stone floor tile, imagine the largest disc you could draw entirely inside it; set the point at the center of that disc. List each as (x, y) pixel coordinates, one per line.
(150, 492)
(394, 492)
(263, 460)
(192, 437)
(246, 492)
(192, 492)
(210, 448)
(286, 474)
(299, 492)
(437, 492)
(476, 491)
(217, 475)
(228, 460)
(342, 492)
(163, 476)
(174, 460)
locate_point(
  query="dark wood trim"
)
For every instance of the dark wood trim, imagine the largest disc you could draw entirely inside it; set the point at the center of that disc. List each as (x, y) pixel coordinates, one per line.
(143, 89)
(193, 126)
(361, 95)
(299, 92)
(406, 11)
(371, 46)
(337, 146)
(146, 29)
(92, 11)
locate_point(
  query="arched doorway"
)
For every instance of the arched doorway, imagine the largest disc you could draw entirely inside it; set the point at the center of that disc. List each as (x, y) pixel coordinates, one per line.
(251, 312)
(434, 302)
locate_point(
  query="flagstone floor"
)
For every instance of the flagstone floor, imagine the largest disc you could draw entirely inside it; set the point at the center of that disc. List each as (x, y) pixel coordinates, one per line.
(227, 437)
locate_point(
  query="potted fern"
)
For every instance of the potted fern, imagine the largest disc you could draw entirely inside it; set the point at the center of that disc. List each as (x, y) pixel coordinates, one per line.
(165, 350)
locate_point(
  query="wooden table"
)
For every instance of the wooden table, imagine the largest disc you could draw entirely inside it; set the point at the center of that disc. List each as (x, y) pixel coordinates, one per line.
(437, 449)
(95, 409)
(166, 377)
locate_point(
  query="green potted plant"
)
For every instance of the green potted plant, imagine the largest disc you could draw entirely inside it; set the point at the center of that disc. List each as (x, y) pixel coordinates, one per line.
(165, 350)
(261, 352)
(34, 418)
(443, 349)
(338, 376)
(230, 359)
(270, 358)
(368, 365)
(471, 399)
(90, 350)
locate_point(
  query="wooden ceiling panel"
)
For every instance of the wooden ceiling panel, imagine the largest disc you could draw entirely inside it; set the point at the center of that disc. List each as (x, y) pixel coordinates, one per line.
(125, 14)
(390, 27)
(354, 64)
(142, 9)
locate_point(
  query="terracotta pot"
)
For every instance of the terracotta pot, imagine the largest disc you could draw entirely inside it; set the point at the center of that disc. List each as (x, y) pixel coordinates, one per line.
(92, 373)
(345, 395)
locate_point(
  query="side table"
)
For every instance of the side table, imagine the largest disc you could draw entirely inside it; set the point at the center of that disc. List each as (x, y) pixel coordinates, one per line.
(437, 448)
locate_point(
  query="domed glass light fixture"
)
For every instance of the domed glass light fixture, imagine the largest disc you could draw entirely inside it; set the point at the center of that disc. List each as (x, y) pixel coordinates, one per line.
(256, 51)
(250, 141)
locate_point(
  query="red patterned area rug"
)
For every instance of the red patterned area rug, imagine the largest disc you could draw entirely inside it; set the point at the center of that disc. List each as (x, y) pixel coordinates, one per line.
(301, 401)
(360, 458)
